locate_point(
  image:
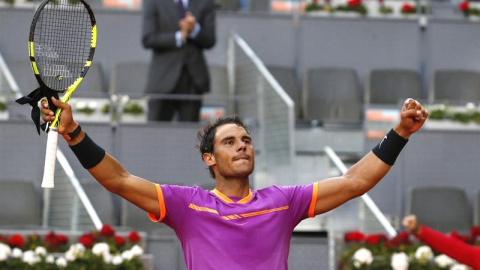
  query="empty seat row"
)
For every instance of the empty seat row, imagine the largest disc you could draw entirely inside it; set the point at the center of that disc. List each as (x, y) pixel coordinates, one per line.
(334, 95)
(327, 95)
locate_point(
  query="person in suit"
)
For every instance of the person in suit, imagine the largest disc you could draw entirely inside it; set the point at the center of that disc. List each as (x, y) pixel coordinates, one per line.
(177, 32)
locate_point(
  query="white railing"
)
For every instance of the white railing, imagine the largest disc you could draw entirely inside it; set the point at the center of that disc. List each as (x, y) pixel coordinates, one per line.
(269, 108)
(9, 78)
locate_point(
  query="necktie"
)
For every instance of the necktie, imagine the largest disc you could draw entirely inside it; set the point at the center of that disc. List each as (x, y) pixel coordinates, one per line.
(181, 8)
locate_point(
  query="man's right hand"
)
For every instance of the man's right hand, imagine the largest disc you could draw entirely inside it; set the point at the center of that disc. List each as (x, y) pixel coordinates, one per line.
(66, 123)
(187, 24)
(411, 224)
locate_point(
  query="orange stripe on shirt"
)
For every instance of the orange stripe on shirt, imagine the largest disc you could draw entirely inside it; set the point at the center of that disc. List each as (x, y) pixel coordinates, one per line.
(313, 202)
(252, 214)
(161, 206)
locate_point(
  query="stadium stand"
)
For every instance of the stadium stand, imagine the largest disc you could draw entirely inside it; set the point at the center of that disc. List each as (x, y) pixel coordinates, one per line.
(20, 205)
(391, 86)
(102, 201)
(476, 208)
(456, 85)
(134, 83)
(22, 72)
(444, 209)
(259, 5)
(331, 95)
(287, 78)
(227, 4)
(94, 85)
(219, 92)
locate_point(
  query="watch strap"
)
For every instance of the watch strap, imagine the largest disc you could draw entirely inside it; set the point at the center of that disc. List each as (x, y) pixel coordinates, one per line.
(70, 136)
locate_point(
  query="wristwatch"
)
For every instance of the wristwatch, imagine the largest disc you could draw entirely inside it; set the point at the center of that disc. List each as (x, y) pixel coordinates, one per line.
(70, 136)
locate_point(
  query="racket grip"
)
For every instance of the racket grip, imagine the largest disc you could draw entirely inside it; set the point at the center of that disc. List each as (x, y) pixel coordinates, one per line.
(50, 159)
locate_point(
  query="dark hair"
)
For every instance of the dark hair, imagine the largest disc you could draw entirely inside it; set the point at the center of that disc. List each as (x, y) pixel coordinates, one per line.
(206, 135)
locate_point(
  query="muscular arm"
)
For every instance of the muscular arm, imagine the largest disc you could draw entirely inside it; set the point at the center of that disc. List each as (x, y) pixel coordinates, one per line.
(366, 173)
(360, 178)
(110, 174)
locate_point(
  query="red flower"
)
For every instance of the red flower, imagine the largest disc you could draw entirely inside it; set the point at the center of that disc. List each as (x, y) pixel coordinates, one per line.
(315, 1)
(354, 3)
(381, 2)
(375, 239)
(464, 6)
(354, 237)
(16, 241)
(62, 239)
(119, 241)
(402, 239)
(474, 232)
(86, 240)
(133, 237)
(107, 231)
(407, 8)
(460, 237)
(51, 240)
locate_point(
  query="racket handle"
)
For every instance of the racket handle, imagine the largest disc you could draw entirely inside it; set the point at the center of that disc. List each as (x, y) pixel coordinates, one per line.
(50, 159)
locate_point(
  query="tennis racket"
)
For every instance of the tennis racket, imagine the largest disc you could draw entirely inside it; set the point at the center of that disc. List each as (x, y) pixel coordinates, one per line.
(62, 42)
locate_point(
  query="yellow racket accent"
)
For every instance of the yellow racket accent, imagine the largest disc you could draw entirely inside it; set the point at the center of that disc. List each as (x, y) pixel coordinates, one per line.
(35, 69)
(30, 46)
(65, 99)
(94, 36)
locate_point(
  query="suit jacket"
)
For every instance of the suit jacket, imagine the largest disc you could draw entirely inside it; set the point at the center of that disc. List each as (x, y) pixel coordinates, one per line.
(160, 22)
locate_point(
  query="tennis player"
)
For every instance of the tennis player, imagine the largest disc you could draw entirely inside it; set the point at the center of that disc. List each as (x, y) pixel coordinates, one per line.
(234, 227)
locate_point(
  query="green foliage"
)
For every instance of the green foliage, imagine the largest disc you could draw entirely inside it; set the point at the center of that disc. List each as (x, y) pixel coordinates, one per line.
(3, 106)
(86, 110)
(313, 6)
(464, 115)
(385, 10)
(105, 109)
(133, 108)
(361, 9)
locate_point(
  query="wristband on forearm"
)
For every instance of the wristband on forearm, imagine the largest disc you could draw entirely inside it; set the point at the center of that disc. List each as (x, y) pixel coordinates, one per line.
(390, 147)
(88, 152)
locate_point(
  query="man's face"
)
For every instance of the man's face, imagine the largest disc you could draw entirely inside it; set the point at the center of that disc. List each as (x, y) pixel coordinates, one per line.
(233, 151)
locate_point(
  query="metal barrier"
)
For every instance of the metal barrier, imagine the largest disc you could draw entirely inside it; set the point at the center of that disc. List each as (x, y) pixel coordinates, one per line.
(269, 107)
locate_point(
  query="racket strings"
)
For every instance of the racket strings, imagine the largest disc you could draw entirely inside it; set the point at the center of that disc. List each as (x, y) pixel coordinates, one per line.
(62, 41)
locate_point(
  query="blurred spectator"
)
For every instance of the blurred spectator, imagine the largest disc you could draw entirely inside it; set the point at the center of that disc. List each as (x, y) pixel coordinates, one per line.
(177, 31)
(448, 245)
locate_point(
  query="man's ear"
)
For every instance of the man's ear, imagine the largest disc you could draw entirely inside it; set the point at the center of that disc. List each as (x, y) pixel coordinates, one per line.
(209, 159)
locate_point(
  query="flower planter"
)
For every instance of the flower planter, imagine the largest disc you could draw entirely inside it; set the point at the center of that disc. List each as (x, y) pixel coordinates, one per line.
(96, 117)
(131, 118)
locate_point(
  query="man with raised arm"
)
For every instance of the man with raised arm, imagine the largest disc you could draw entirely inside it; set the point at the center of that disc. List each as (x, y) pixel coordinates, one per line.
(234, 227)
